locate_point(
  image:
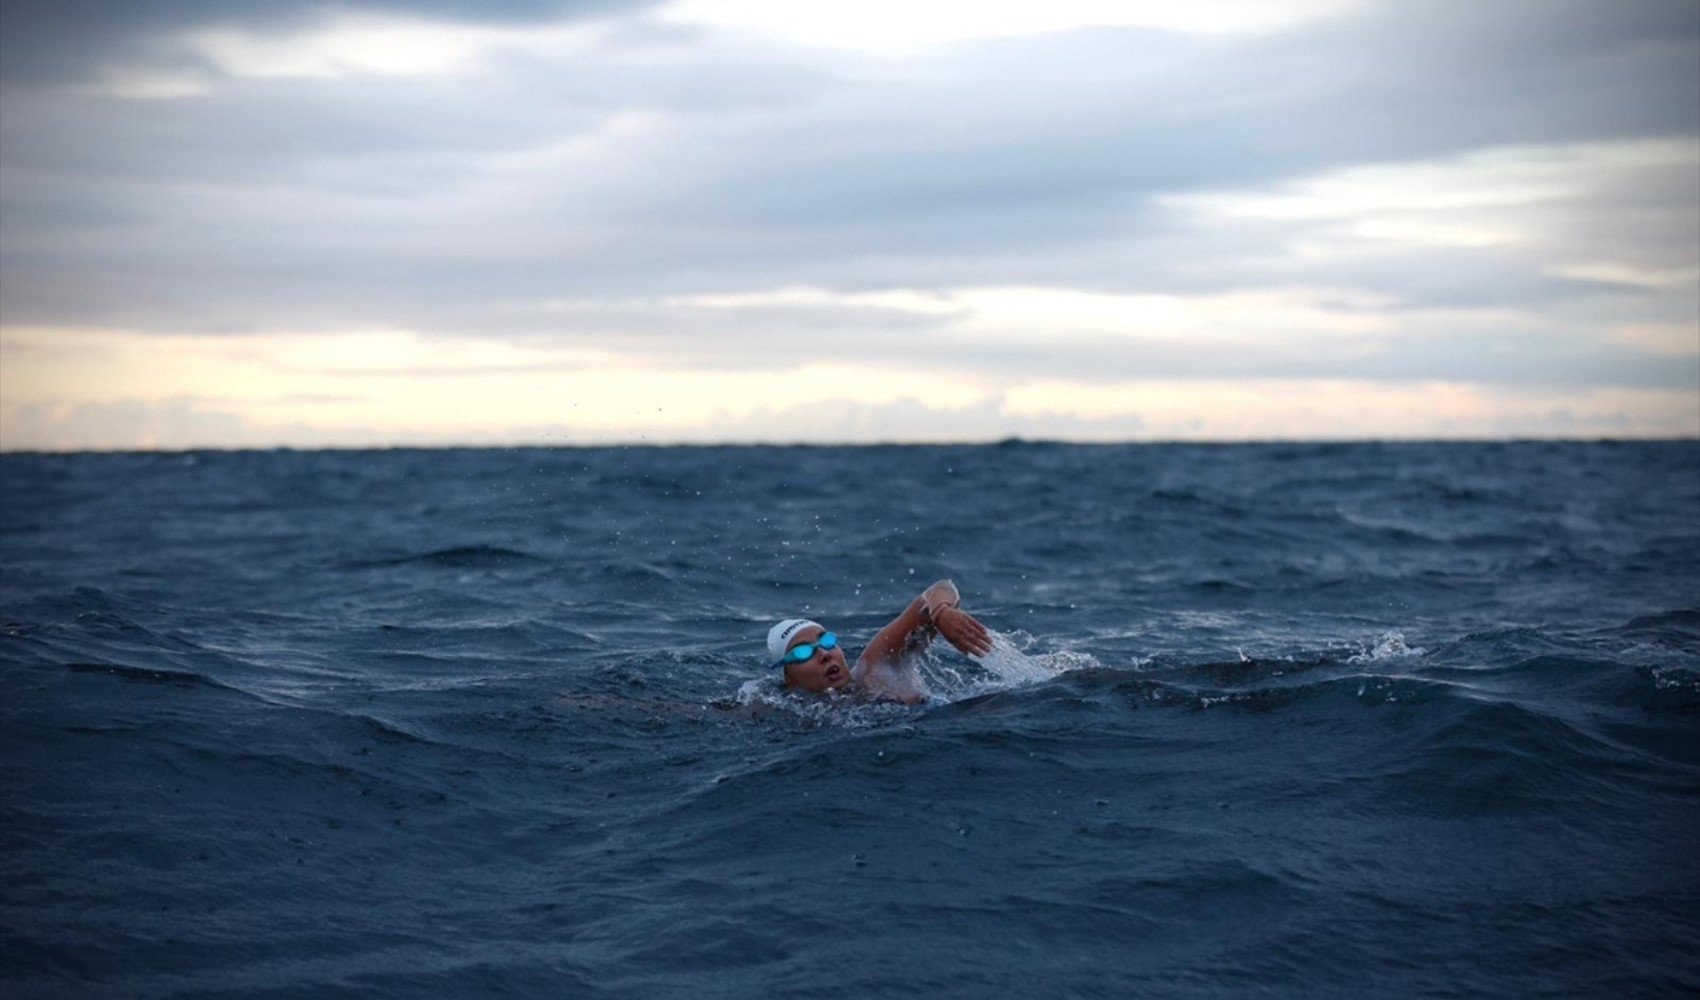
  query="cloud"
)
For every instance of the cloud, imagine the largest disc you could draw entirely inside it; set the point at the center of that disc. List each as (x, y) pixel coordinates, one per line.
(123, 424)
(115, 389)
(897, 26)
(69, 40)
(1377, 193)
(1265, 410)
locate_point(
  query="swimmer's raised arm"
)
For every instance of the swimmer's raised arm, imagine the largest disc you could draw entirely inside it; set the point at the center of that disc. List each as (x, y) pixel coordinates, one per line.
(938, 607)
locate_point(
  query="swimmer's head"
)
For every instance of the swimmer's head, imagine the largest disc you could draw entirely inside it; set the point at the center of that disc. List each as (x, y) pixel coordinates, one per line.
(824, 669)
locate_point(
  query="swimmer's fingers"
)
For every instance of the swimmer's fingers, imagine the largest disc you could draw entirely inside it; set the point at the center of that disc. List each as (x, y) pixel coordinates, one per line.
(977, 636)
(965, 633)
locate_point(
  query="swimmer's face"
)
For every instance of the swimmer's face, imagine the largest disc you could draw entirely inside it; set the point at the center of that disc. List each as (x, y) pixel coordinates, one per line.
(827, 670)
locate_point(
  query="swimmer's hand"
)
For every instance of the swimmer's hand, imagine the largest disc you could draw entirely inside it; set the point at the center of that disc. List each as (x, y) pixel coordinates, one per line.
(962, 630)
(935, 612)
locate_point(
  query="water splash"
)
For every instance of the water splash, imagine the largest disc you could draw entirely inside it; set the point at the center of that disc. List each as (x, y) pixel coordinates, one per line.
(768, 698)
(951, 678)
(946, 677)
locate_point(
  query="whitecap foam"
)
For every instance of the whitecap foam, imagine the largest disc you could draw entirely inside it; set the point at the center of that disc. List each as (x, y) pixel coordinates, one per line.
(1391, 646)
(1668, 678)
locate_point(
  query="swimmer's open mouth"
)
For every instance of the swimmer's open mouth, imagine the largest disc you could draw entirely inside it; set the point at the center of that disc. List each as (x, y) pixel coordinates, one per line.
(833, 673)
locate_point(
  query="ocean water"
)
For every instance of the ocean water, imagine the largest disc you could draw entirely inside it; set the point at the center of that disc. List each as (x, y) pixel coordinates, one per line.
(1414, 720)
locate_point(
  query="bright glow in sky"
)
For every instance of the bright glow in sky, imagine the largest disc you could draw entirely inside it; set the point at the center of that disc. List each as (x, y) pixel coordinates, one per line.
(744, 220)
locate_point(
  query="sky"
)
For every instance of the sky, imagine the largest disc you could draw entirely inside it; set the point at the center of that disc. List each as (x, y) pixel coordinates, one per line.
(259, 223)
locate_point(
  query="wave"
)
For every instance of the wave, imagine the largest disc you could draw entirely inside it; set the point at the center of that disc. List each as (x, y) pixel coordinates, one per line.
(1680, 622)
(456, 557)
(148, 675)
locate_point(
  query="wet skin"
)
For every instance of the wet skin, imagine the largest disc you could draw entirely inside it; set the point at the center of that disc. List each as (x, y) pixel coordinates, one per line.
(827, 670)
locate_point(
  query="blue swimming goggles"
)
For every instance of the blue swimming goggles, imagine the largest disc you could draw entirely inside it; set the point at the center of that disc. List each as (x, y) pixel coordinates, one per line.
(804, 651)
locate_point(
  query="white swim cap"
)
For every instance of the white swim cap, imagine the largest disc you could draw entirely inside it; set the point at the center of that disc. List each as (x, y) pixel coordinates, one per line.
(779, 636)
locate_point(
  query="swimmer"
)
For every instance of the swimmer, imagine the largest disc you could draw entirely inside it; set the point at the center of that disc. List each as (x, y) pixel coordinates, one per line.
(813, 661)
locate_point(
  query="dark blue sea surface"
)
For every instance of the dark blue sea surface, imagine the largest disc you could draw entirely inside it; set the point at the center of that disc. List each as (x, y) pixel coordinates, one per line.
(1413, 720)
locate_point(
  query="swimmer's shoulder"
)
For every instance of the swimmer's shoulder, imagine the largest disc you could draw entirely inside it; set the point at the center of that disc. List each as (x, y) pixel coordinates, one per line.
(886, 682)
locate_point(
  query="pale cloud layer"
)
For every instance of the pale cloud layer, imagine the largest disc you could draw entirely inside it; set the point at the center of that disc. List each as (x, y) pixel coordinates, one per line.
(375, 223)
